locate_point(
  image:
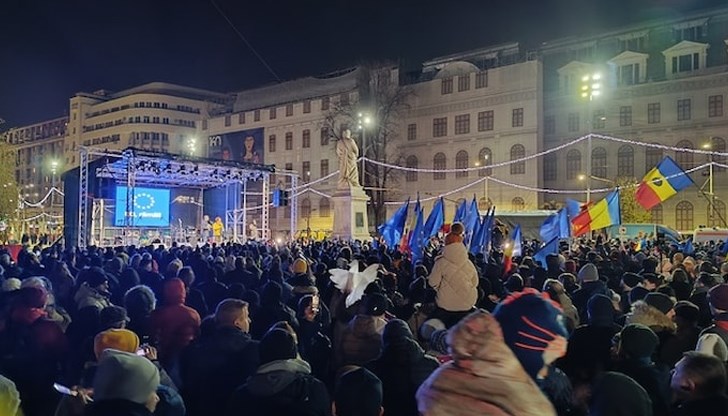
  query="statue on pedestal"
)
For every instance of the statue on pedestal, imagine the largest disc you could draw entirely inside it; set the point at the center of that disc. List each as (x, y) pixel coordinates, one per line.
(347, 151)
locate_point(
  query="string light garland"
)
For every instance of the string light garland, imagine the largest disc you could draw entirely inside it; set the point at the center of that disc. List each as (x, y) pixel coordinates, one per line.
(42, 201)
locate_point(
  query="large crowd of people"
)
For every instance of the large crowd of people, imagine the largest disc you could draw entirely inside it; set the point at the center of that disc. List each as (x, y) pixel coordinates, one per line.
(602, 328)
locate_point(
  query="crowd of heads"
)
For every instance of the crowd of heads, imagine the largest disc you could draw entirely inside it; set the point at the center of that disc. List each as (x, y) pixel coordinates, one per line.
(256, 328)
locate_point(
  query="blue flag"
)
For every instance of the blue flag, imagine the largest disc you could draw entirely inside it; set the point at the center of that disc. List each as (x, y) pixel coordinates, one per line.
(471, 218)
(573, 207)
(516, 237)
(687, 248)
(417, 236)
(460, 212)
(564, 224)
(550, 227)
(552, 247)
(392, 230)
(435, 220)
(487, 231)
(476, 244)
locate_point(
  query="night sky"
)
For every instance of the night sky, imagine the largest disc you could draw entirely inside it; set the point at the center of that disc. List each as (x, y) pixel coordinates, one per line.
(51, 49)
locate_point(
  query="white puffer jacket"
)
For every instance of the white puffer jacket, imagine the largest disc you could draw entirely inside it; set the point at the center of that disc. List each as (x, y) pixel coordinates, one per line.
(455, 279)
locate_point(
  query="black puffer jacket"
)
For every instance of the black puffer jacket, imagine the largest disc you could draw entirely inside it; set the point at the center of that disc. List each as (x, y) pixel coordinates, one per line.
(282, 387)
(402, 367)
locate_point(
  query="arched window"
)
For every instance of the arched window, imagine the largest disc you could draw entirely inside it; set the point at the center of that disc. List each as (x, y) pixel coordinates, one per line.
(324, 207)
(717, 144)
(517, 204)
(715, 213)
(412, 162)
(306, 208)
(657, 215)
(439, 162)
(685, 159)
(461, 162)
(573, 164)
(653, 156)
(518, 152)
(599, 162)
(684, 216)
(625, 161)
(485, 158)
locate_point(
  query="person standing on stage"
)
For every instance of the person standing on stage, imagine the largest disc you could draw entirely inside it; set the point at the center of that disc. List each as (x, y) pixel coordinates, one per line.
(217, 228)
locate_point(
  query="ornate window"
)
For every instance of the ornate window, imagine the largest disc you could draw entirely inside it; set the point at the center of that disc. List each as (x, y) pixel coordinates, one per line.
(439, 162)
(461, 162)
(517, 204)
(625, 161)
(518, 152)
(412, 162)
(573, 164)
(684, 216)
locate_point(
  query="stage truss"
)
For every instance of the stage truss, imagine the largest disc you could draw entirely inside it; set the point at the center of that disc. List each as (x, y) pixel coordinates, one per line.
(134, 167)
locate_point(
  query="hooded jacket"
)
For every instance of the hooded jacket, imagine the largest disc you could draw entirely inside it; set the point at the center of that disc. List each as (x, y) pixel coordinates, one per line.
(281, 387)
(402, 368)
(647, 315)
(484, 378)
(361, 341)
(174, 325)
(455, 279)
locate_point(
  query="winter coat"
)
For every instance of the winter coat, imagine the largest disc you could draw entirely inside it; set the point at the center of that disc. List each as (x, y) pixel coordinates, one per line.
(644, 314)
(484, 378)
(402, 368)
(720, 327)
(88, 296)
(581, 297)
(455, 279)
(174, 325)
(655, 381)
(212, 368)
(717, 405)
(361, 340)
(282, 387)
(268, 315)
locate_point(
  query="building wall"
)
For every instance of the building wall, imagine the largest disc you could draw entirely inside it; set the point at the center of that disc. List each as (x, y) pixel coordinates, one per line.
(624, 106)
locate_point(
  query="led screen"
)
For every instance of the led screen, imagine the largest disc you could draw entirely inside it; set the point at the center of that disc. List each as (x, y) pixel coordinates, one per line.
(150, 207)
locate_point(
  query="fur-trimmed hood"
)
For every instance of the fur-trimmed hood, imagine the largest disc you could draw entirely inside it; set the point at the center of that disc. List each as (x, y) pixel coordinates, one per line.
(647, 315)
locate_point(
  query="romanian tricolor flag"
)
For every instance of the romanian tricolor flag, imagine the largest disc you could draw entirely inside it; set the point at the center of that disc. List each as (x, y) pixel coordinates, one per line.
(661, 183)
(600, 215)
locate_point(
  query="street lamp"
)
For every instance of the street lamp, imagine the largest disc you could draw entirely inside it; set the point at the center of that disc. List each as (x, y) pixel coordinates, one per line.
(591, 88)
(487, 178)
(711, 195)
(363, 121)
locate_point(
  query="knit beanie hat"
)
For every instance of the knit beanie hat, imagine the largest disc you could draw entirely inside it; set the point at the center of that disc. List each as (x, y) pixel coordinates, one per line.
(358, 392)
(530, 321)
(713, 344)
(299, 266)
(718, 297)
(588, 273)
(395, 331)
(638, 341)
(600, 310)
(429, 327)
(117, 339)
(659, 301)
(126, 376)
(140, 300)
(687, 310)
(637, 293)
(277, 344)
(617, 394)
(112, 316)
(96, 276)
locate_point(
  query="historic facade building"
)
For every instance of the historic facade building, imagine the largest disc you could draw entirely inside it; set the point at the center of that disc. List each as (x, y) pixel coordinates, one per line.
(661, 82)
(659, 86)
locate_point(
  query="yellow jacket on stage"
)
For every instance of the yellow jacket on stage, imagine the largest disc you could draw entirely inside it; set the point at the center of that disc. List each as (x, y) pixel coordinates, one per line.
(217, 228)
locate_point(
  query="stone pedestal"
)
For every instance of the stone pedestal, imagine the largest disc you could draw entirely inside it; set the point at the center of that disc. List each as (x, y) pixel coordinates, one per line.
(350, 214)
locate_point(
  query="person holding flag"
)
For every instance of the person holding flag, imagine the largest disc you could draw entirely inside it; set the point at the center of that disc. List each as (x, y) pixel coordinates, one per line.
(454, 279)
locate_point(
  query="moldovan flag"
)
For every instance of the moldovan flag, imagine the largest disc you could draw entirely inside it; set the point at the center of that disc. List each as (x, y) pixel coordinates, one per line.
(600, 215)
(661, 183)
